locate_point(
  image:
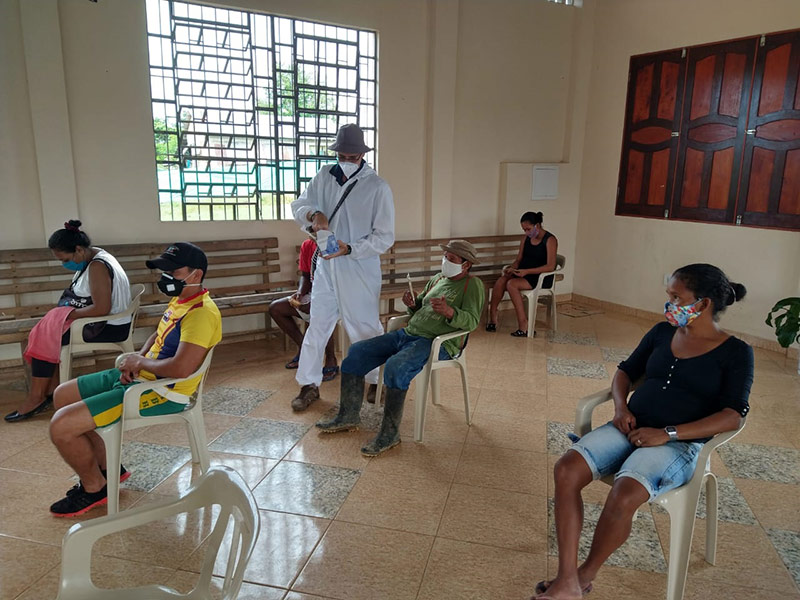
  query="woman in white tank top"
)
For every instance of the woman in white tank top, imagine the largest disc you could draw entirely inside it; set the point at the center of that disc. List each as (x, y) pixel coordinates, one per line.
(100, 287)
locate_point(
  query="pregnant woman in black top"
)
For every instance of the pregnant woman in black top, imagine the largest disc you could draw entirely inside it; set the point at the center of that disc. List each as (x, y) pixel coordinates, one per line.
(537, 254)
(697, 383)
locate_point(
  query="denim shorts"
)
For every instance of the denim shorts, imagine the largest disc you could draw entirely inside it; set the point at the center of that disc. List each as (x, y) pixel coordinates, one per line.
(659, 469)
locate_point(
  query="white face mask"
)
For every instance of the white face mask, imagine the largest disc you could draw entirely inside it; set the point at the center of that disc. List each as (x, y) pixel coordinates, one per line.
(348, 168)
(450, 269)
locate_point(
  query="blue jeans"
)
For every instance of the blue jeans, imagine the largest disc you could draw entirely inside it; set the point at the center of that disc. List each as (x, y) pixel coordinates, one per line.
(659, 468)
(405, 356)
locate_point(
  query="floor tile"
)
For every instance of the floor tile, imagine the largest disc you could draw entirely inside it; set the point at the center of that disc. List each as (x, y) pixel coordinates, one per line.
(24, 563)
(768, 463)
(616, 355)
(357, 562)
(787, 543)
(495, 518)
(505, 403)
(235, 401)
(107, 572)
(260, 437)
(150, 464)
(576, 368)
(432, 459)
(519, 432)
(502, 468)
(177, 435)
(641, 551)
(41, 457)
(185, 581)
(282, 548)
(472, 571)
(394, 501)
(252, 469)
(566, 337)
(341, 449)
(775, 505)
(302, 488)
(559, 437)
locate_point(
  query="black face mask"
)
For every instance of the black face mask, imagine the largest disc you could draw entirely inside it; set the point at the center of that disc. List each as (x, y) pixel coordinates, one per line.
(171, 286)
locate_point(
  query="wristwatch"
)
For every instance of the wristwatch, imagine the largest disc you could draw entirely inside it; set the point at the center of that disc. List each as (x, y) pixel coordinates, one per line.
(672, 433)
(349, 249)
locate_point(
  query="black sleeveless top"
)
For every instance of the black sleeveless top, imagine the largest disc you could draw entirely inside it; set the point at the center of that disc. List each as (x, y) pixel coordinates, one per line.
(536, 256)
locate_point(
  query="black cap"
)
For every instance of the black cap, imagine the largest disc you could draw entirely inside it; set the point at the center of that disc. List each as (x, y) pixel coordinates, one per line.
(180, 254)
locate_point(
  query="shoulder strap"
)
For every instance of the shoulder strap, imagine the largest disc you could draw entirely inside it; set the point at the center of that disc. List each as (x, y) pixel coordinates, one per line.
(315, 258)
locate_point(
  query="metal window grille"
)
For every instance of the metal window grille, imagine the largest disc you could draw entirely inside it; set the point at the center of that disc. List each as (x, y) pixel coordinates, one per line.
(245, 105)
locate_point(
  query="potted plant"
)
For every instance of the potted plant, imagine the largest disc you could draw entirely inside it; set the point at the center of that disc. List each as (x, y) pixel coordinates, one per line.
(785, 318)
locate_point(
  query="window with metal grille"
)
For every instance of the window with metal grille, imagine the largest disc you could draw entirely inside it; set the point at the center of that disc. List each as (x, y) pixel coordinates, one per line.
(245, 105)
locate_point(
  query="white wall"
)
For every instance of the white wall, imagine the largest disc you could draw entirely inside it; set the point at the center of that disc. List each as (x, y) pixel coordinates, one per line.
(624, 259)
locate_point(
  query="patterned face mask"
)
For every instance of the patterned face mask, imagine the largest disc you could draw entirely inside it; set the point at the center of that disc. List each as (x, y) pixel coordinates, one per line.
(681, 316)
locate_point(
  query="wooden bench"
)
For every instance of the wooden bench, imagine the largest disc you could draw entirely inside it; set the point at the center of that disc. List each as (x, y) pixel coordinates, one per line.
(241, 280)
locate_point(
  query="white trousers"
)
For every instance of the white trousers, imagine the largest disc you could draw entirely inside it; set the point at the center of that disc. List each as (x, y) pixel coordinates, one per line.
(344, 291)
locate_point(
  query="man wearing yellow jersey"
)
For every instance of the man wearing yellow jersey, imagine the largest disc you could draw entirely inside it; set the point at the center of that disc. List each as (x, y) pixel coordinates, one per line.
(189, 328)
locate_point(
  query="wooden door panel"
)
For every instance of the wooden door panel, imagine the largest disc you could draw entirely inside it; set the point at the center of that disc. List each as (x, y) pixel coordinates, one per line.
(769, 193)
(718, 82)
(649, 147)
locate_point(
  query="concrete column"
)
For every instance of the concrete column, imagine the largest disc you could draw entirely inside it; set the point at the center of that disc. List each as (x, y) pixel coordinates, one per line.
(44, 64)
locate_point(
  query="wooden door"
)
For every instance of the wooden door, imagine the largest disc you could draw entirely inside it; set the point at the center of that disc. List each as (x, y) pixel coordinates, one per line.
(718, 82)
(769, 194)
(649, 148)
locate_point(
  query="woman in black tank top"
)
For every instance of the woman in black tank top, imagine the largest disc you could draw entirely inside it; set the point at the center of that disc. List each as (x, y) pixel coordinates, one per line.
(537, 254)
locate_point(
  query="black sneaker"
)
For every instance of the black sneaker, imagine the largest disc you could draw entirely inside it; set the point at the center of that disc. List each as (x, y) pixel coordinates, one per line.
(123, 475)
(78, 502)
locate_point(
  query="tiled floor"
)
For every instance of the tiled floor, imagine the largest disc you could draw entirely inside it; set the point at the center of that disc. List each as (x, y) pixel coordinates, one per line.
(466, 515)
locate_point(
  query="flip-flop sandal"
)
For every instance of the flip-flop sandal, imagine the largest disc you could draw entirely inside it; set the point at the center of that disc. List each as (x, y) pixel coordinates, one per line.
(519, 333)
(543, 586)
(329, 373)
(292, 364)
(491, 327)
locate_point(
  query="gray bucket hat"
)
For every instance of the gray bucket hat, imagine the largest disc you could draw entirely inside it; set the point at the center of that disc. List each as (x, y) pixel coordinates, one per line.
(463, 249)
(349, 140)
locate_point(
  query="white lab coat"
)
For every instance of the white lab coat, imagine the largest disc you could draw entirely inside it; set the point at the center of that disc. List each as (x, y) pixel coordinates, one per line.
(346, 287)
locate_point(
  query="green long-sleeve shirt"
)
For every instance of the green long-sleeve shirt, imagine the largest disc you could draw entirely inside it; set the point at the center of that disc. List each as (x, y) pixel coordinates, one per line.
(466, 296)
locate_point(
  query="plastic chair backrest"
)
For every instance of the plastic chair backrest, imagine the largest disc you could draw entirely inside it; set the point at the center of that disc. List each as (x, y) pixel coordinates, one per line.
(220, 486)
(560, 261)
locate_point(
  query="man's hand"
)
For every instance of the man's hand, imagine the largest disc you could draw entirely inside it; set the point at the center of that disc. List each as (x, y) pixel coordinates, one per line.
(647, 437)
(340, 252)
(440, 306)
(409, 300)
(129, 368)
(624, 421)
(320, 221)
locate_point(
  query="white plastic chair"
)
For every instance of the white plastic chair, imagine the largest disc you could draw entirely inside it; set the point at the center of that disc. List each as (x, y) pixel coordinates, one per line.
(219, 486)
(429, 375)
(533, 296)
(77, 344)
(191, 416)
(680, 503)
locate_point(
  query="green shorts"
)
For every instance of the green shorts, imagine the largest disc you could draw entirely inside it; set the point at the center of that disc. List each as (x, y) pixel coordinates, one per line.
(103, 392)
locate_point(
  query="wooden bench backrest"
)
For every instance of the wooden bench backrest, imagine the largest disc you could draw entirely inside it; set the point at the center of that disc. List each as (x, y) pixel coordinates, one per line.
(235, 267)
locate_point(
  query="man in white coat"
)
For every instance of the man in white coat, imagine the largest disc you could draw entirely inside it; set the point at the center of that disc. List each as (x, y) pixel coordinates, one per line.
(353, 202)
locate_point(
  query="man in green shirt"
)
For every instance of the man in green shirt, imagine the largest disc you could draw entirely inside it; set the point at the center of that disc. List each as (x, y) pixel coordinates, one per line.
(451, 301)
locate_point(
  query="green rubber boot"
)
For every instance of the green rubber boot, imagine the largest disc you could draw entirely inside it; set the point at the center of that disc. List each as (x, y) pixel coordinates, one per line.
(350, 399)
(389, 435)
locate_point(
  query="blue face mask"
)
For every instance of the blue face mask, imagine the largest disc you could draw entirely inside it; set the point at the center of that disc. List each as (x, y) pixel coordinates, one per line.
(73, 266)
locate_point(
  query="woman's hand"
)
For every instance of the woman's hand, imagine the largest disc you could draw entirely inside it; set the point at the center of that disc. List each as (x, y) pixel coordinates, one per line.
(409, 300)
(508, 270)
(624, 421)
(647, 437)
(519, 272)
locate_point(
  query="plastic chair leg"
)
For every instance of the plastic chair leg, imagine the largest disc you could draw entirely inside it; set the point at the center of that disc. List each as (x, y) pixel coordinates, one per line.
(465, 384)
(712, 516)
(197, 438)
(681, 526)
(533, 301)
(554, 315)
(112, 438)
(419, 402)
(435, 387)
(65, 366)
